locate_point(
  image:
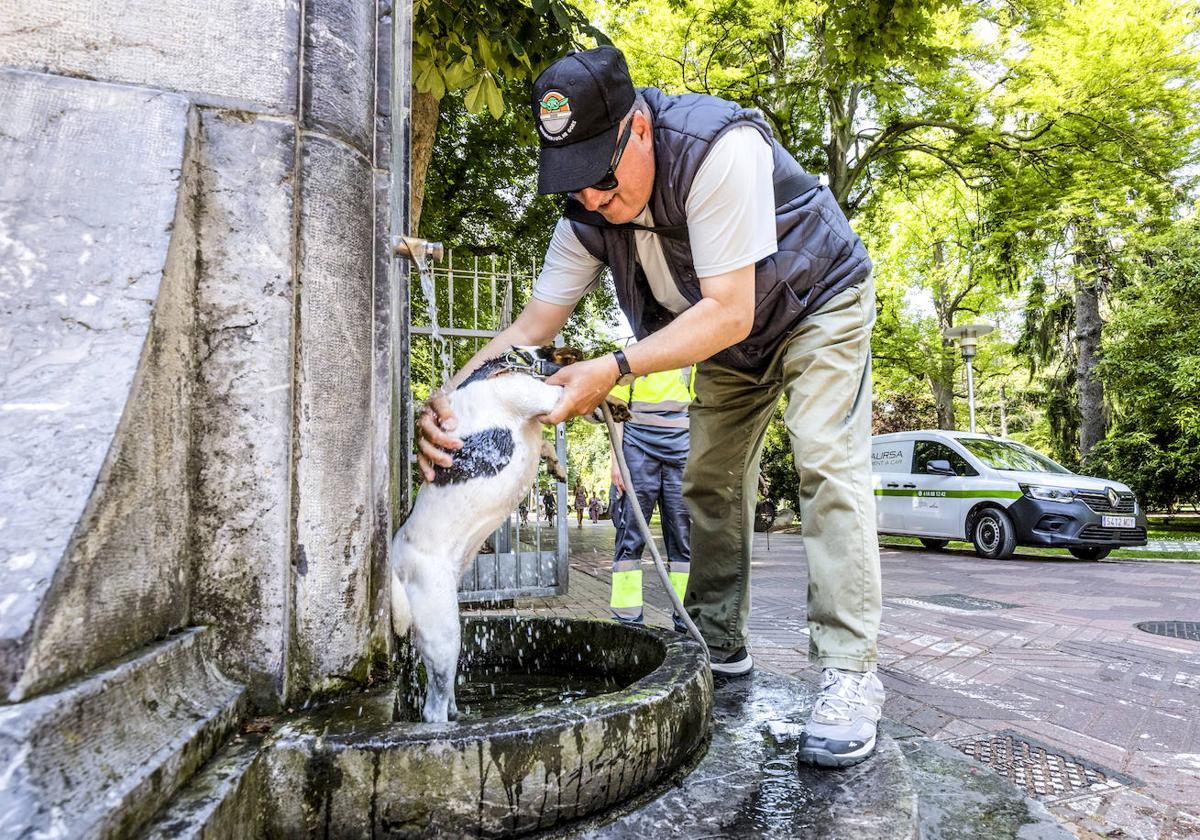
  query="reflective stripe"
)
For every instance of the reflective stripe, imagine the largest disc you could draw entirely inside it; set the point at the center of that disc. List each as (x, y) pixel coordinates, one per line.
(626, 564)
(951, 494)
(679, 583)
(660, 407)
(658, 421)
(626, 589)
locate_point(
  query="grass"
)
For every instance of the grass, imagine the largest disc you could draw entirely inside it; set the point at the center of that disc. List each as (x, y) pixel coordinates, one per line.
(1039, 551)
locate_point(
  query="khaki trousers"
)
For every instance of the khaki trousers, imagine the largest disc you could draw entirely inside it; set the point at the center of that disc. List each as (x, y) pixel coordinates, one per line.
(824, 368)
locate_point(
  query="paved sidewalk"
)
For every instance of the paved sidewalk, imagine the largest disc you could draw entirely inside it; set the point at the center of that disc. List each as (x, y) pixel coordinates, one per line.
(1039, 650)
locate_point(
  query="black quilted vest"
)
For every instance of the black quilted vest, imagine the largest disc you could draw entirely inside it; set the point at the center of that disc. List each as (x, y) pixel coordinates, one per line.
(819, 255)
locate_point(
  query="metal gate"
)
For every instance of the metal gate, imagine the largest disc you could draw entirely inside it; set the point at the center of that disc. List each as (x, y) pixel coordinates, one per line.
(527, 555)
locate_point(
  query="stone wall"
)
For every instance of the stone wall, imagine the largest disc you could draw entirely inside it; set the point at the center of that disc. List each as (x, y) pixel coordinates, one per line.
(195, 337)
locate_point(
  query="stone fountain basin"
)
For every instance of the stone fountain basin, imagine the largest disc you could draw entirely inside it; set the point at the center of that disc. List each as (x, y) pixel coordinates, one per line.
(352, 771)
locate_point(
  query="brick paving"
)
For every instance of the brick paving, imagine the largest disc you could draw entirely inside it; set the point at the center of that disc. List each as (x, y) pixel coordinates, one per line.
(1064, 666)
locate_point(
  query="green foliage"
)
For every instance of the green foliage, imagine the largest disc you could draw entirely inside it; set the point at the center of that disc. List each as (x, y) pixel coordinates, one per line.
(1165, 474)
(933, 270)
(849, 88)
(481, 191)
(1151, 367)
(903, 411)
(482, 49)
(779, 465)
(588, 454)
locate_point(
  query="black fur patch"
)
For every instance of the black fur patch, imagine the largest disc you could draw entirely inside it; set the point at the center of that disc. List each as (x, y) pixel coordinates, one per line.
(488, 368)
(483, 454)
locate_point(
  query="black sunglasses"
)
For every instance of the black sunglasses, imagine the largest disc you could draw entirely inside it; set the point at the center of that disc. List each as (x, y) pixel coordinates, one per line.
(609, 181)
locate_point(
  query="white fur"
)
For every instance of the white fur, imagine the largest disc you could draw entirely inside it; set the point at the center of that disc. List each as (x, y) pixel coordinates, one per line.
(449, 523)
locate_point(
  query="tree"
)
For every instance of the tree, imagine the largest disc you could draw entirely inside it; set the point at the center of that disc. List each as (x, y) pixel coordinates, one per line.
(490, 52)
(1107, 92)
(933, 270)
(1151, 367)
(854, 90)
(778, 465)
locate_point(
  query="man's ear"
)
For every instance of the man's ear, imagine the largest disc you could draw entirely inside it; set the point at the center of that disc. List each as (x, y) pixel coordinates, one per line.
(641, 125)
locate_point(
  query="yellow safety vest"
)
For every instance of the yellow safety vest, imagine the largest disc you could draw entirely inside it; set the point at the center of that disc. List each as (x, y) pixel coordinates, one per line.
(655, 397)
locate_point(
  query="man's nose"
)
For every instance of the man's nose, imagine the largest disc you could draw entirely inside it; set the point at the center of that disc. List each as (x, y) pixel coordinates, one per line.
(590, 198)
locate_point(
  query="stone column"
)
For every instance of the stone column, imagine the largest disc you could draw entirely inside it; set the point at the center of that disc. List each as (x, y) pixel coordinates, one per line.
(195, 383)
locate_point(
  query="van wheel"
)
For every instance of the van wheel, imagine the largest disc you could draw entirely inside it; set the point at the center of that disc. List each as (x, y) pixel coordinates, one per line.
(932, 544)
(1090, 552)
(993, 535)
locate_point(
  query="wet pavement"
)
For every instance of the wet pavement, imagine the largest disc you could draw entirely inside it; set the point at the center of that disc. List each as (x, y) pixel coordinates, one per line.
(1038, 652)
(748, 785)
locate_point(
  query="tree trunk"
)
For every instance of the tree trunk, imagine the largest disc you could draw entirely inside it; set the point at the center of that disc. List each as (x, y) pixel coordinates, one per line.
(841, 138)
(839, 106)
(942, 381)
(425, 110)
(1093, 418)
(1092, 274)
(942, 386)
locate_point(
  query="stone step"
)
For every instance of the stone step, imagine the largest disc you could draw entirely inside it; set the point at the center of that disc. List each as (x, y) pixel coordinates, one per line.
(225, 799)
(102, 755)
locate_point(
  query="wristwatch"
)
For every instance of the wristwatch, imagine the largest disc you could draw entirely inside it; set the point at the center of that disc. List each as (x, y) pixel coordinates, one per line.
(626, 376)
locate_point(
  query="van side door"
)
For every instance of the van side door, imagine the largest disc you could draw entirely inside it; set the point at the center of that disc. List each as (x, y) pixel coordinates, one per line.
(890, 467)
(938, 500)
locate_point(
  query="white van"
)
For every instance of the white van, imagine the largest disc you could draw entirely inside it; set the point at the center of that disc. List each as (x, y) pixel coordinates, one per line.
(997, 493)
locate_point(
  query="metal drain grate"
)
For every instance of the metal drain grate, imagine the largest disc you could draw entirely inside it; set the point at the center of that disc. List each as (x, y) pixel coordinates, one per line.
(964, 602)
(1041, 770)
(1189, 630)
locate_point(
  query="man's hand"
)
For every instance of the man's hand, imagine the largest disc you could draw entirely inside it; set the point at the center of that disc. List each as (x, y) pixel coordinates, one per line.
(585, 385)
(434, 421)
(617, 480)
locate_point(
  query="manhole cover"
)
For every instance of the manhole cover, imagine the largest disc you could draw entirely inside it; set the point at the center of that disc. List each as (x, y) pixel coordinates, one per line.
(1189, 630)
(964, 602)
(1041, 770)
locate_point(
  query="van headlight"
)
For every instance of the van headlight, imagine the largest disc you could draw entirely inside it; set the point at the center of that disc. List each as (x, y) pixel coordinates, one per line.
(1048, 494)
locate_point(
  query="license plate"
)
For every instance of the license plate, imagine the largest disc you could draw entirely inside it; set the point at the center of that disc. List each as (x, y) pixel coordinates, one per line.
(1117, 521)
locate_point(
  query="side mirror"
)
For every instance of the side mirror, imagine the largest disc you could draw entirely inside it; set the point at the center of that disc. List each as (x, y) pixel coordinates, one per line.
(940, 467)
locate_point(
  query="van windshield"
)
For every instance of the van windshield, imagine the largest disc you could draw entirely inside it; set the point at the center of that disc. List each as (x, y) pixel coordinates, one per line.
(1006, 455)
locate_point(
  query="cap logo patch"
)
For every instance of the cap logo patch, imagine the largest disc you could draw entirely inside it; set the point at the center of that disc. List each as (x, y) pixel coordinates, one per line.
(554, 114)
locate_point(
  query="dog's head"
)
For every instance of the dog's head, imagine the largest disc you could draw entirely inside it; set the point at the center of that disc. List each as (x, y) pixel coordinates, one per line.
(532, 360)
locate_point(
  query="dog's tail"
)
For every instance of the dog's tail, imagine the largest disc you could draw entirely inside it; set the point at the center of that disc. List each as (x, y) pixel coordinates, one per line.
(401, 612)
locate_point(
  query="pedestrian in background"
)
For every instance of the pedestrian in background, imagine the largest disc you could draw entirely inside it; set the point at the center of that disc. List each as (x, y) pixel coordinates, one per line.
(580, 501)
(654, 442)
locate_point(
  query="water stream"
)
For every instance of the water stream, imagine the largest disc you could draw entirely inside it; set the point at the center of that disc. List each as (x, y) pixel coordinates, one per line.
(428, 286)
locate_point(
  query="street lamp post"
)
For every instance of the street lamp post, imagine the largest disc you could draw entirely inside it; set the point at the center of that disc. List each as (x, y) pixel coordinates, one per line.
(967, 335)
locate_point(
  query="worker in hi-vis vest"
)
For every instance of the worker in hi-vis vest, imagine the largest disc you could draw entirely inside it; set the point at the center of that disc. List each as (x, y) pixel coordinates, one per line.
(655, 443)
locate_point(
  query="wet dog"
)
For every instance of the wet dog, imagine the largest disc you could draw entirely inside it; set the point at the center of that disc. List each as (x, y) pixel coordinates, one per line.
(497, 408)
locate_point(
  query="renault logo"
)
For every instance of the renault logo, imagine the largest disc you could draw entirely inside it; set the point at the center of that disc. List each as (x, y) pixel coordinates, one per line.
(1113, 498)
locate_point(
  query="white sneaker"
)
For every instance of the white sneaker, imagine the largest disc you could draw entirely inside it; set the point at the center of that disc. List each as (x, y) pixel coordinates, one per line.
(844, 721)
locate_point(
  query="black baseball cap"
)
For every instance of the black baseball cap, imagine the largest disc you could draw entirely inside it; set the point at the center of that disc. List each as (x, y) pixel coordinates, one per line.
(578, 104)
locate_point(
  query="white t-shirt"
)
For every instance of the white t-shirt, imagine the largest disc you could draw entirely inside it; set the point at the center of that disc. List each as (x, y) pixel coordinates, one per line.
(730, 218)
